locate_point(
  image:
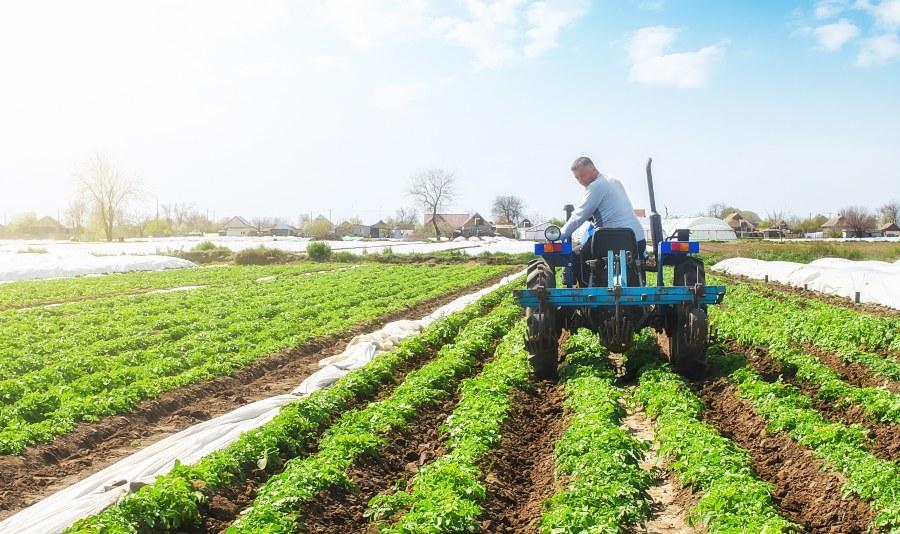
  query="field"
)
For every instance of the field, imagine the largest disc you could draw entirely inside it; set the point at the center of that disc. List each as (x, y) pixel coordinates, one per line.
(795, 428)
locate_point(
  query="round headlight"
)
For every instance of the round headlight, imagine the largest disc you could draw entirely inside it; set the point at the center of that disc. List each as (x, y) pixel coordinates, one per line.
(552, 233)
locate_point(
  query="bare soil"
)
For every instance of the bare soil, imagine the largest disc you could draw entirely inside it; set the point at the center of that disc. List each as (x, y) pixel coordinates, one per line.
(339, 510)
(44, 469)
(885, 436)
(804, 492)
(669, 501)
(519, 473)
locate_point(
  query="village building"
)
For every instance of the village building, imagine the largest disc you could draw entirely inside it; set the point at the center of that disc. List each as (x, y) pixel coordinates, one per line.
(238, 226)
(461, 224)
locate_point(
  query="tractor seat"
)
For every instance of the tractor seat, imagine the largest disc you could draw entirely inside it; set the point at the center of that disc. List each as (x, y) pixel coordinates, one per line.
(596, 248)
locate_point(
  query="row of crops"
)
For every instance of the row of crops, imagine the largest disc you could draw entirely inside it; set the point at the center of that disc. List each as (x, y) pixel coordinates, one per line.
(776, 438)
(63, 365)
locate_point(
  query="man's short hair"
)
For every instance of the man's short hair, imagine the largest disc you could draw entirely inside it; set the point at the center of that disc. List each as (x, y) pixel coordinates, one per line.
(583, 161)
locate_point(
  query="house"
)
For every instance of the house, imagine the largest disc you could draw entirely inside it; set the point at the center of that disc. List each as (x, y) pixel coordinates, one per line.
(739, 224)
(461, 224)
(380, 230)
(238, 226)
(524, 223)
(282, 230)
(402, 231)
(773, 233)
(506, 230)
(838, 223)
(889, 230)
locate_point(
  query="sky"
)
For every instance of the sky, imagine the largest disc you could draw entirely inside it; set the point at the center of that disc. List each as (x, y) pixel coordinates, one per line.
(278, 108)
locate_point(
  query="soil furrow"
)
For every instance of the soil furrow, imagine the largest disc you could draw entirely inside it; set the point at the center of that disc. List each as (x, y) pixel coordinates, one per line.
(339, 510)
(885, 436)
(668, 500)
(854, 373)
(44, 469)
(804, 492)
(519, 473)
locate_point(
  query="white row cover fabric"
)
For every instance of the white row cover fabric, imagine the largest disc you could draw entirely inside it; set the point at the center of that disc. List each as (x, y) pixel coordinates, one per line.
(32, 266)
(103, 489)
(877, 282)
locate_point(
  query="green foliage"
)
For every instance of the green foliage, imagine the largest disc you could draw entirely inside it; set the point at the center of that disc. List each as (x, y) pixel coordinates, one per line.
(734, 501)
(749, 318)
(81, 361)
(445, 494)
(363, 432)
(318, 251)
(840, 447)
(205, 246)
(262, 256)
(607, 489)
(33, 250)
(173, 499)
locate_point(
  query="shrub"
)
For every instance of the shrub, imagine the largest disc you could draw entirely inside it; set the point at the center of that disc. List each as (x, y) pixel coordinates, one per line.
(318, 251)
(33, 250)
(206, 245)
(261, 256)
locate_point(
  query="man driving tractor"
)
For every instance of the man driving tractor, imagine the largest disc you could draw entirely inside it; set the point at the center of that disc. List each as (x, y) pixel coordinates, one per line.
(605, 201)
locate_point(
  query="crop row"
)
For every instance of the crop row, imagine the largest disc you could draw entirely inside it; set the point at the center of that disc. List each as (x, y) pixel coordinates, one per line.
(43, 292)
(841, 448)
(607, 489)
(751, 318)
(276, 508)
(177, 498)
(168, 341)
(445, 494)
(733, 499)
(813, 321)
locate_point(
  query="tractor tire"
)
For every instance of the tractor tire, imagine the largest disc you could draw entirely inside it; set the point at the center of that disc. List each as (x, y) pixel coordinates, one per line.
(542, 323)
(687, 325)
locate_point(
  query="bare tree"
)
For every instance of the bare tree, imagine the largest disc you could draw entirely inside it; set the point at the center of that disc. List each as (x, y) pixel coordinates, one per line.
(108, 188)
(777, 218)
(508, 207)
(890, 212)
(407, 216)
(716, 209)
(75, 214)
(434, 189)
(858, 220)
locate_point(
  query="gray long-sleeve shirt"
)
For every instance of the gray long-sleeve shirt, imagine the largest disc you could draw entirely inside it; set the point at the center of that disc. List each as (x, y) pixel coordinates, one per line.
(606, 200)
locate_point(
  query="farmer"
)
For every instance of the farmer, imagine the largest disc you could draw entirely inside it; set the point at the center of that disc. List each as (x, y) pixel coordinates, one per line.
(605, 202)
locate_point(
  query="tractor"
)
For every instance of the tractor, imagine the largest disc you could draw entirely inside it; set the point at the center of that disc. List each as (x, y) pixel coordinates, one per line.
(606, 291)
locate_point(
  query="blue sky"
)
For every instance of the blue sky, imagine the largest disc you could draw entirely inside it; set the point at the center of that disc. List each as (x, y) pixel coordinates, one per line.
(281, 108)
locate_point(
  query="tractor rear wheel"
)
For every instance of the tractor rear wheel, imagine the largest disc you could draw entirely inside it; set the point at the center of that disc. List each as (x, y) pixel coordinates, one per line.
(542, 323)
(687, 326)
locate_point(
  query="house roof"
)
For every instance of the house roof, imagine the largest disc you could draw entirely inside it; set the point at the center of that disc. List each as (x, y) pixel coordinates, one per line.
(283, 226)
(238, 222)
(453, 219)
(640, 212)
(834, 222)
(381, 225)
(404, 227)
(886, 227)
(47, 222)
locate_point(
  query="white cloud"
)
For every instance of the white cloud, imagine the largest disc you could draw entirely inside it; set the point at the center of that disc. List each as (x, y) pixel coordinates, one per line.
(398, 96)
(369, 23)
(650, 65)
(834, 36)
(546, 19)
(490, 32)
(878, 50)
(885, 12)
(827, 9)
(655, 6)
